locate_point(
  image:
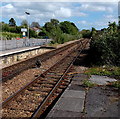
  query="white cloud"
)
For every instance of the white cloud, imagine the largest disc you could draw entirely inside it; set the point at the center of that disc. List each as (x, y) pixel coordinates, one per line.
(63, 12)
(43, 11)
(111, 18)
(79, 14)
(100, 23)
(8, 6)
(40, 10)
(62, 1)
(83, 22)
(96, 7)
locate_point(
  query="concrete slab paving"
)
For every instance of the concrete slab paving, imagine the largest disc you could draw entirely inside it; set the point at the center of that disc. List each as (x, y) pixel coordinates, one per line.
(74, 94)
(70, 104)
(97, 102)
(101, 80)
(77, 82)
(60, 113)
(76, 87)
(79, 77)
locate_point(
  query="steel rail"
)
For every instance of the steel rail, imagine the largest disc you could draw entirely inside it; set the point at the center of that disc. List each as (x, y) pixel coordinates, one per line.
(8, 100)
(31, 59)
(45, 101)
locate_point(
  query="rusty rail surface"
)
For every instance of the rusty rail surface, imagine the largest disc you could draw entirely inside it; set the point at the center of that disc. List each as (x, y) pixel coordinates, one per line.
(11, 71)
(41, 107)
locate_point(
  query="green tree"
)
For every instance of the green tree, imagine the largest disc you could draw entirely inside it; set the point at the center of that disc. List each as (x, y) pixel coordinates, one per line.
(24, 23)
(12, 22)
(105, 46)
(54, 22)
(35, 24)
(68, 27)
(86, 33)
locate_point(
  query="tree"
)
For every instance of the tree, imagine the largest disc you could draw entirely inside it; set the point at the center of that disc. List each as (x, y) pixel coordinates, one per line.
(86, 33)
(68, 27)
(105, 47)
(54, 22)
(35, 24)
(48, 26)
(24, 23)
(12, 22)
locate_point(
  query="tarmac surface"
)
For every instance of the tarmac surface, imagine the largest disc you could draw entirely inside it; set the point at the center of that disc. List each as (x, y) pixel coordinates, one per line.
(82, 102)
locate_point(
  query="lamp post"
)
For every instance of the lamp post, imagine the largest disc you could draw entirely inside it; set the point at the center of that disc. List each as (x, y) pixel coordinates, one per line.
(28, 23)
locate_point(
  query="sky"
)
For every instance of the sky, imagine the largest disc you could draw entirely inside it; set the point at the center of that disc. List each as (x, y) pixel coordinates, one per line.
(84, 14)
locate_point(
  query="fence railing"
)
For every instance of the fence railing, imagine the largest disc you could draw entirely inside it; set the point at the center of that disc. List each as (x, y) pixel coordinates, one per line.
(19, 43)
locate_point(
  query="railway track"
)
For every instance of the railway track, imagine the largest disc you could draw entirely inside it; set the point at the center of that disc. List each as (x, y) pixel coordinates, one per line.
(15, 69)
(34, 98)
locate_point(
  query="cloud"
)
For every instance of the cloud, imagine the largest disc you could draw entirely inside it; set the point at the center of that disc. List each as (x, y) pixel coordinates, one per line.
(99, 24)
(62, 1)
(43, 11)
(63, 12)
(97, 7)
(83, 22)
(40, 10)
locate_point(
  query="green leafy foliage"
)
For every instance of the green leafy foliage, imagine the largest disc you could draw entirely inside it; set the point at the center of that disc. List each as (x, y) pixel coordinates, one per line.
(9, 36)
(68, 28)
(115, 84)
(61, 32)
(104, 70)
(105, 46)
(12, 22)
(88, 83)
(86, 33)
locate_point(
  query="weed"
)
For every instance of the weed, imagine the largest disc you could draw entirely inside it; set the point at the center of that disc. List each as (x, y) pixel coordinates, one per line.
(115, 84)
(104, 70)
(88, 83)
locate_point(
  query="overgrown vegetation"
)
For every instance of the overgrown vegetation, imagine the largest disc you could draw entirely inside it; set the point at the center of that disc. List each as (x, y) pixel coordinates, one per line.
(105, 46)
(61, 32)
(104, 70)
(115, 84)
(88, 83)
(12, 31)
(9, 35)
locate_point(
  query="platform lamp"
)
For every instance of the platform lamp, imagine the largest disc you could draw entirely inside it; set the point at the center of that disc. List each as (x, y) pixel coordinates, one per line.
(28, 23)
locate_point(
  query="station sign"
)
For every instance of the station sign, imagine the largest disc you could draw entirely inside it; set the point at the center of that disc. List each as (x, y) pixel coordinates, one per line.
(23, 30)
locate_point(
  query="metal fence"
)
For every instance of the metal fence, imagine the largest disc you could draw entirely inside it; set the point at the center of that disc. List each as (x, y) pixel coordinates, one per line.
(19, 43)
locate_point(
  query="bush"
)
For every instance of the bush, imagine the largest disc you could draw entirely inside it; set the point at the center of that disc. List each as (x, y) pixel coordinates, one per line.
(105, 47)
(9, 36)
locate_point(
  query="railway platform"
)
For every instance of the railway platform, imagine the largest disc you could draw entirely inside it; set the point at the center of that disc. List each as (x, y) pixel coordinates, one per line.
(78, 101)
(17, 50)
(71, 103)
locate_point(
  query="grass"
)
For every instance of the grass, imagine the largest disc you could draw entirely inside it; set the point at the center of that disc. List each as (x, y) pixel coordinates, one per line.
(9, 35)
(104, 70)
(115, 84)
(88, 83)
(53, 45)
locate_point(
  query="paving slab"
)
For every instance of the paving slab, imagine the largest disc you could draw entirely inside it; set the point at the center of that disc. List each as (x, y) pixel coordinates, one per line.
(65, 114)
(79, 77)
(101, 80)
(76, 87)
(70, 104)
(74, 94)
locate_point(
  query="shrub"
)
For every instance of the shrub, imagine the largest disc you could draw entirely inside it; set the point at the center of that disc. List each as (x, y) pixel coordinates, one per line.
(105, 47)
